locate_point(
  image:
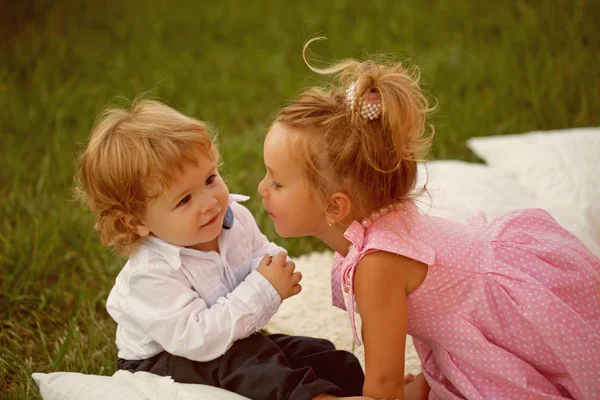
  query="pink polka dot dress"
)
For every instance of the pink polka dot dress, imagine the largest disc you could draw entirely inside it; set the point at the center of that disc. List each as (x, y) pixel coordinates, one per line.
(509, 309)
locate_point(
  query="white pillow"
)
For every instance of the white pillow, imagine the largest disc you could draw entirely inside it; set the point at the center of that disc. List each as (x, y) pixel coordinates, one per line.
(457, 190)
(561, 168)
(124, 385)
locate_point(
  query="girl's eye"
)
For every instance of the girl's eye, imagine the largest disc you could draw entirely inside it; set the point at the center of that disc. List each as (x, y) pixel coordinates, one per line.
(275, 185)
(185, 200)
(211, 179)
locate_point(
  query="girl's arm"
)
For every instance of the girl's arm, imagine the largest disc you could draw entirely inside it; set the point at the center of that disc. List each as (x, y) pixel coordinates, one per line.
(380, 287)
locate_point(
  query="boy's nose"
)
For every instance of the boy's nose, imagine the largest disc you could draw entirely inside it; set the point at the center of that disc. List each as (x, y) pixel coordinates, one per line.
(208, 205)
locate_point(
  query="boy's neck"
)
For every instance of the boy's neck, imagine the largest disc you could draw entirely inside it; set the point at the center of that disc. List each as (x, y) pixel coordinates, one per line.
(213, 245)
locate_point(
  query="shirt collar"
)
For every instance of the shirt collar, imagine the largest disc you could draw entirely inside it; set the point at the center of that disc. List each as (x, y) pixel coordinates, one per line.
(172, 253)
(229, 219)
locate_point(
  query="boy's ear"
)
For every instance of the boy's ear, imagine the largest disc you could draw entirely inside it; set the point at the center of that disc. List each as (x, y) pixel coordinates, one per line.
(136, 225)
(340, 207)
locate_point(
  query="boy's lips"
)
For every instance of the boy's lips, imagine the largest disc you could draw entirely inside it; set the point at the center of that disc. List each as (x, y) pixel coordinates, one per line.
(212, 220)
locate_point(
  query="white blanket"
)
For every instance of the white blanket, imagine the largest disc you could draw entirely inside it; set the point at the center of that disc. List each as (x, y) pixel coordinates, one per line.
(558, 171)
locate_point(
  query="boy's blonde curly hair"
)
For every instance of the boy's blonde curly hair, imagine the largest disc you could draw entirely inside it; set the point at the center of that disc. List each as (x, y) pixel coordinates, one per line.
(131, 157)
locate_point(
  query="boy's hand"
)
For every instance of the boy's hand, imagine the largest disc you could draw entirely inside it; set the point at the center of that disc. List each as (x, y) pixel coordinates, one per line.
(280, 273)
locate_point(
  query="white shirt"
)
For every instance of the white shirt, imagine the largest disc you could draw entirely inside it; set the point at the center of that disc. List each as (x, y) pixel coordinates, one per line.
(193, 303)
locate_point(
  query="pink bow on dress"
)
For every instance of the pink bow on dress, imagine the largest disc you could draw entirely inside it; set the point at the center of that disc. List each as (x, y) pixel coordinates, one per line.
(342, 274)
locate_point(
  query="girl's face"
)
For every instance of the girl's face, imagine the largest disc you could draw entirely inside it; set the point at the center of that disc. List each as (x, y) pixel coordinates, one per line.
(191, 210)
(286, 191)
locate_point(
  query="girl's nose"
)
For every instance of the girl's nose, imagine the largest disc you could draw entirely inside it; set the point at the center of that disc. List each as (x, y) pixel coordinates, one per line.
(261, 188)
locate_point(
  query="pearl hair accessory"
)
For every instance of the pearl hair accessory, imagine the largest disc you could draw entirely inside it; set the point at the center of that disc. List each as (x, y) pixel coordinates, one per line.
(368, 110)
(367, 222)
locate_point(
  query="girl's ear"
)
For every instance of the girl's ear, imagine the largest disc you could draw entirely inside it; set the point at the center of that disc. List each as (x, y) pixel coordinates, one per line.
(136, 225)
(339, 208)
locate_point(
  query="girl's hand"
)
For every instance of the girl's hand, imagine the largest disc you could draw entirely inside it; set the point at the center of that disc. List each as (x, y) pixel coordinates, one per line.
(280, 273)
(417, 388)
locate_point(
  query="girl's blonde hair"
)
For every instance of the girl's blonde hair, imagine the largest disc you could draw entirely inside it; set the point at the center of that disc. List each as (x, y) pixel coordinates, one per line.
(131, 157)
(373, 161)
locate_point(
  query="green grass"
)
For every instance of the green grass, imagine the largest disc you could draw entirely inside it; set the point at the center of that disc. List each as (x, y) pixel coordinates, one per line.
(494, 68)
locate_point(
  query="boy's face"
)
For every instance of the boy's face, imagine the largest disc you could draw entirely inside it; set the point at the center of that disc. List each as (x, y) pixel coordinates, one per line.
(191, 210)
(286, 191)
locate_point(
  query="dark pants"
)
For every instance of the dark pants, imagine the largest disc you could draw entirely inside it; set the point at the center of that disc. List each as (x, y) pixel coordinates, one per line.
(266, 367)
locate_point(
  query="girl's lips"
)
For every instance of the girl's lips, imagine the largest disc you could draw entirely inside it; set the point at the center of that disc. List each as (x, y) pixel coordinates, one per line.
(267, 210)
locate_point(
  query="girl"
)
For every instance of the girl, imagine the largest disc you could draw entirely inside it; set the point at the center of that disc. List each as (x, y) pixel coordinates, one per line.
(197, 285)
(503, 309)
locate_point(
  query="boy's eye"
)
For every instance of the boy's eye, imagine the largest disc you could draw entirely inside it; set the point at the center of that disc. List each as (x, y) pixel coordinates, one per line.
(185, 200)
(211, 179)
(275, 185)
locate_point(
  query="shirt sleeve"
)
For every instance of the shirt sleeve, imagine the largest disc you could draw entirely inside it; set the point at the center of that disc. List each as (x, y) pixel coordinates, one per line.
(260, 244)
(162, 302)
